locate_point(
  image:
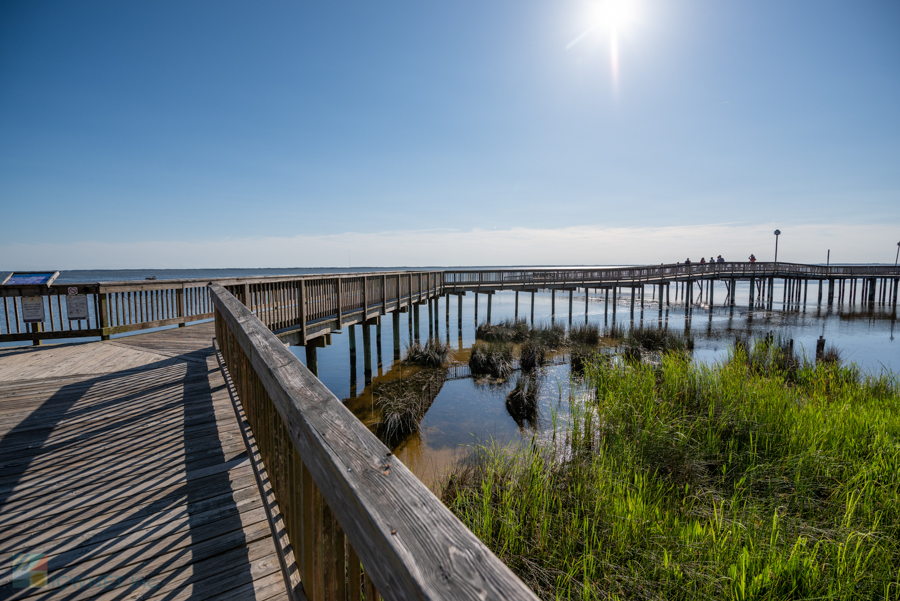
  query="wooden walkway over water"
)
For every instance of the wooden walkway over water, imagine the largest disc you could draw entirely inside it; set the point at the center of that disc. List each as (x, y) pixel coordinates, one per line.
(124, 462)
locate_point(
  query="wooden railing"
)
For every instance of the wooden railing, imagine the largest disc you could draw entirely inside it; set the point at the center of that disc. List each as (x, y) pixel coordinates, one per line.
(313, 305)
(459, 280)
(357, 519)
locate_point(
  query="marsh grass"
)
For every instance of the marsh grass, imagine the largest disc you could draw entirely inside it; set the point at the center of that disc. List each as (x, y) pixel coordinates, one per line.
(585, 334)
(522, 400)
(532, 355)
(493, 359)
(688, 481)
(504, 331)
(658, 340)
(403, 403)
(431, 354)
(553, 336)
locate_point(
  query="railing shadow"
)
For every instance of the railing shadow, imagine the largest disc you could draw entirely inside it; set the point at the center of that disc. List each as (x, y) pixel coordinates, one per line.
(132, 483)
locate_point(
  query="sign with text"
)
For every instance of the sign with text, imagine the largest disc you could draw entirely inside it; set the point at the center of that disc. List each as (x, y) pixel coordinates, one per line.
(76, 306)
(32, 309)
(30, 278)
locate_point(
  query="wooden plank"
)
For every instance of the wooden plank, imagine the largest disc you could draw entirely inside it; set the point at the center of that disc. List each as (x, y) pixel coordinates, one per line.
(409, 542)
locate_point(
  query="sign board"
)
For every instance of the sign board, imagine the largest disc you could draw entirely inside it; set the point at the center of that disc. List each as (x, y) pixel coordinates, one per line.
(32, 309)
(76, 306)
(30, 278)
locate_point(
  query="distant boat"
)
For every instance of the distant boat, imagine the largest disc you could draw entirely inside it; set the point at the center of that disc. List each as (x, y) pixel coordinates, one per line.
(152, 277)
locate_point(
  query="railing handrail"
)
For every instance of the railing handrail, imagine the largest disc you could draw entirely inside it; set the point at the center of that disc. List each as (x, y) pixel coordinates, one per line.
(412, 545)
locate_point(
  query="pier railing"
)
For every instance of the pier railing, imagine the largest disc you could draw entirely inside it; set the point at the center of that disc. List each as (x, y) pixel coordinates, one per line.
(511, 279)
(313, 305)
(357, 518)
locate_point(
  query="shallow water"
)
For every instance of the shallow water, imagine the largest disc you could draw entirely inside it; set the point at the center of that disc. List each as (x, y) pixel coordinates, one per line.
(466, 412)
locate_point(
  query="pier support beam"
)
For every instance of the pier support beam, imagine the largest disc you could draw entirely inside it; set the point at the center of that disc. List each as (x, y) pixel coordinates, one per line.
(476, 308)
(378, 343)
(830, 291)
(395, 322)
(416, 321)
(490, 296)
(871, 286)
(430, 318)
(632, 302)
(752, 290)
(587, 297)
(532, 307)
(459, 312)
(571, 292)
(553, 305)
(312, 362)
(516, 314)
(367, 353)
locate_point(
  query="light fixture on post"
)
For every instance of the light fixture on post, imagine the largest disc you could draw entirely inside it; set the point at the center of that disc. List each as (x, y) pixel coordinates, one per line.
(777, 233)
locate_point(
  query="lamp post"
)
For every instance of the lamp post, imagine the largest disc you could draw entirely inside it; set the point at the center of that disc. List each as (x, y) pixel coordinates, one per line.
(777, 233)
(898, 254)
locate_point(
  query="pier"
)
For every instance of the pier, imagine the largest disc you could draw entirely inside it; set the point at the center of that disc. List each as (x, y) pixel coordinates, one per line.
(206, 461)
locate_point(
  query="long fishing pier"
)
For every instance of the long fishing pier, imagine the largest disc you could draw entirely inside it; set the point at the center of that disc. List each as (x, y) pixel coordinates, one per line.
(205, 461)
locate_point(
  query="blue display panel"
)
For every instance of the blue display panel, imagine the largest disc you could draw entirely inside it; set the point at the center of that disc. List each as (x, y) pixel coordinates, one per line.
(44, 278)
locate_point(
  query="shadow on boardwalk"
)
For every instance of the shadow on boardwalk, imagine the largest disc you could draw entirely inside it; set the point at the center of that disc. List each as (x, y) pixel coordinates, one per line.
(132, 484)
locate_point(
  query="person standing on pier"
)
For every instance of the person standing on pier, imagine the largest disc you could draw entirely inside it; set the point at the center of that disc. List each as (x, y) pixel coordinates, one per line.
(752, 258)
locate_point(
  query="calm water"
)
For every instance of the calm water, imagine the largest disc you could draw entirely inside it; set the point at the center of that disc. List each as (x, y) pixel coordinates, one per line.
(466, 412)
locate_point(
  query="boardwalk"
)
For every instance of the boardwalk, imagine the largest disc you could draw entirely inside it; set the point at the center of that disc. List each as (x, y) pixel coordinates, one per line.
(123, 461)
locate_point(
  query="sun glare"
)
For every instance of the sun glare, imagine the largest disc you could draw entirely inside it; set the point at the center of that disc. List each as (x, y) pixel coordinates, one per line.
(614, 15)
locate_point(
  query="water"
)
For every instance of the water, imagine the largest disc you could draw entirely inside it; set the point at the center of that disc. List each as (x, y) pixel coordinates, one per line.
(465, 412)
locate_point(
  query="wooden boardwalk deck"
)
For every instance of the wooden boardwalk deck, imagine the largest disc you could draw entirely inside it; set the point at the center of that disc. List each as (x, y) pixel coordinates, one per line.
(123, 461)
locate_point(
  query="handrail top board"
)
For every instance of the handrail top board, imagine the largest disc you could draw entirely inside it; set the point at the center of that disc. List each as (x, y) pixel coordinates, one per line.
(413, 546)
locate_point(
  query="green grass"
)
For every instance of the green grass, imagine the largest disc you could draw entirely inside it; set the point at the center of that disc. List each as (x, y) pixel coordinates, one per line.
(686, 481)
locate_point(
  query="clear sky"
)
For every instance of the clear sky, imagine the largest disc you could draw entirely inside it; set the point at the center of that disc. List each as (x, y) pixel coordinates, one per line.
(266, 134)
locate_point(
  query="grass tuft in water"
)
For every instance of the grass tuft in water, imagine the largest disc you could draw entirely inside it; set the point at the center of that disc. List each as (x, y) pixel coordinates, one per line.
(522, 400)
(585, 334)
(504, 331)
(687, 481)
(532, 355)
(432, 354)
(491, 359)
(403, 403)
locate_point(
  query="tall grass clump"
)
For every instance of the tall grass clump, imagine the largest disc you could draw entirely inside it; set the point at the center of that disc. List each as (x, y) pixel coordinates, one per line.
(586, 334)
(657, 340)
(403, 403)
(504, 331)
(522, 400)
(769, 355)
(493, 359)
(552, 336)
(432, 354)
(687, 481)
(532, 355)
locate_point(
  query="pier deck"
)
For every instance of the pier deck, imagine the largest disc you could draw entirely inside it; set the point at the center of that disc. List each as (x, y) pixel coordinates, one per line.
(123, 462)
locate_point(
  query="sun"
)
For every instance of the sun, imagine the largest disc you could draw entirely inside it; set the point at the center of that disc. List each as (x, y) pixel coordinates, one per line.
(613, 15)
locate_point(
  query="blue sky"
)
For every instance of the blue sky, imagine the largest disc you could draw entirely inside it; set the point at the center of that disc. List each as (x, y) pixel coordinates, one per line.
(233, 134)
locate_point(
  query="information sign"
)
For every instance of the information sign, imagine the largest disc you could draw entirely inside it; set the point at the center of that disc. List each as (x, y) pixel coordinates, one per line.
(32, 309)
(76, 306)
(31, 278)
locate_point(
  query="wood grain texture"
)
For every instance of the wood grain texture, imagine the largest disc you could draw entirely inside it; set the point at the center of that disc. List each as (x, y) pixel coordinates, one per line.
(123, 462)
(412, 547)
